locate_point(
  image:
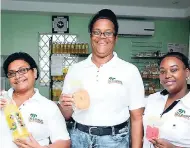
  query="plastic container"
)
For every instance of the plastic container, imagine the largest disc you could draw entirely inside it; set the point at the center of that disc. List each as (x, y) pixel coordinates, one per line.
(14, 119)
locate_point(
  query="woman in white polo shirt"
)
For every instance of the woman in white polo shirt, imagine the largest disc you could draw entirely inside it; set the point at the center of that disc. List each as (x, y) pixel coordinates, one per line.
(115, 88)
(167, 114)
(42, 117)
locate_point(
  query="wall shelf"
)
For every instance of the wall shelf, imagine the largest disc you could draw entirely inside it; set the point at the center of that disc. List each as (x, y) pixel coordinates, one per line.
(81, 55)
(145, 57)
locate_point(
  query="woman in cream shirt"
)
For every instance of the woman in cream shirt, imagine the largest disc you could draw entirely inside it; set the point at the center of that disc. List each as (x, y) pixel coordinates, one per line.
(167, 114)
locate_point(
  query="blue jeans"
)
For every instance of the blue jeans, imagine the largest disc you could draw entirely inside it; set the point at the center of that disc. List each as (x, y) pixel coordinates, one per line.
(81, 139)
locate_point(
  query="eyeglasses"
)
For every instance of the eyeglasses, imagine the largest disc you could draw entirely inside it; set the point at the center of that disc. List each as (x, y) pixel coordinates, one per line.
(98, 33)
(21, 71)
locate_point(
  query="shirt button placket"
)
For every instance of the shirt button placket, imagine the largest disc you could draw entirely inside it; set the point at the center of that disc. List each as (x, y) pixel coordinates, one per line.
(97, 75)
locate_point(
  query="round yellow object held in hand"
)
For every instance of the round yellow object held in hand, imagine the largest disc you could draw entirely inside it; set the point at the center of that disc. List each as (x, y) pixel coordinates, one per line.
(81, 99)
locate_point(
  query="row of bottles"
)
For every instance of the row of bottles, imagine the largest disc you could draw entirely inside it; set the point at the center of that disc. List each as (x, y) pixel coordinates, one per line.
(70, 48)
(58, 78)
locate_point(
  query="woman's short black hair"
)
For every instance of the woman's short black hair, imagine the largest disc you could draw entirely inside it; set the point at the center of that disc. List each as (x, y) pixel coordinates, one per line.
(179, 56)
(104, 14)
(20, 56)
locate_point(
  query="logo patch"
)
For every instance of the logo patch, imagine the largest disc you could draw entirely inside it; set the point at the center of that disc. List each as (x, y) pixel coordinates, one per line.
(181, 113)
(114, 80)
(33, 118)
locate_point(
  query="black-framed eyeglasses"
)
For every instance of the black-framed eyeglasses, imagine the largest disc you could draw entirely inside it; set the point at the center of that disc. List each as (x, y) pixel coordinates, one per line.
(21, 71)
(107, 34)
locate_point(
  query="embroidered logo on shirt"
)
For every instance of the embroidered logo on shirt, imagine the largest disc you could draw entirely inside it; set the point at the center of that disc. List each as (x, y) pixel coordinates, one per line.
(181, 113)
(33, 118)
(114, 80)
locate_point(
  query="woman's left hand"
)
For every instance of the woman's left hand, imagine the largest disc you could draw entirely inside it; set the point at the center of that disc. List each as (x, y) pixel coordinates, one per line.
(27, 143)
(161, 143)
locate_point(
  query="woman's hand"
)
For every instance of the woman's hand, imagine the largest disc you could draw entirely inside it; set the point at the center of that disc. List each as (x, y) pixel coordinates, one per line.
(3, 101)
(162, 143)
(28, 143)
(66, 105)
(66, 101)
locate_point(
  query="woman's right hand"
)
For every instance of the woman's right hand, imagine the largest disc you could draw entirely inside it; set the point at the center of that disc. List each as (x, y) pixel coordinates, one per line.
(66, 101)
(3, 103)
(66, 105)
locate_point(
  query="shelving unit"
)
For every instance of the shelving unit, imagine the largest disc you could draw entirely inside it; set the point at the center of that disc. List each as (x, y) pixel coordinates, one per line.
(156, 57)
(70, 50)
(146, 55)
(56, 81)
(150, 73)
(63, 55)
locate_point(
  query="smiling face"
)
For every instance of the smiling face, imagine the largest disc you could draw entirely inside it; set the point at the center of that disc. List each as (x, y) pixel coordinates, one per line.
(103, 46)
(173, 74)
(22, 82)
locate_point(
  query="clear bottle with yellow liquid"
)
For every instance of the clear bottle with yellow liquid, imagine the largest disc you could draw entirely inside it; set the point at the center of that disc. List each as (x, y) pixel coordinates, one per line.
(14, 119)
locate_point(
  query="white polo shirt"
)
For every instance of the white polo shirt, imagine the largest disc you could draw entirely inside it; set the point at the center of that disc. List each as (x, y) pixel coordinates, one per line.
(42, 118)
(174, 125)
(114, 88)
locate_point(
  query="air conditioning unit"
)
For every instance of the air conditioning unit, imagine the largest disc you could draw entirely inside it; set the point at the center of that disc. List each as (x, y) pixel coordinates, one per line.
(135, 28)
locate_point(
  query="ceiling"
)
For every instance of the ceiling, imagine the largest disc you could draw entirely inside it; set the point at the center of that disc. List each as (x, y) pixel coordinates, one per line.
(143, 3)
(132, 8)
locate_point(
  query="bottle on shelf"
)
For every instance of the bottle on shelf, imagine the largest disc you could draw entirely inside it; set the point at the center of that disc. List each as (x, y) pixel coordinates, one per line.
(57, 89)
(83, 48)
(14, 119)
(86, 48)
(57, 48)
(72, 48)
(80, 48)
(53, 48)
(65, 48)
(69, 48)
(61, 49)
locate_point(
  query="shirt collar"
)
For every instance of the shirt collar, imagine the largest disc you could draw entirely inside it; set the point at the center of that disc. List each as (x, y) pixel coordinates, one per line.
(112, 62)
(34, 97)
(186, 100)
